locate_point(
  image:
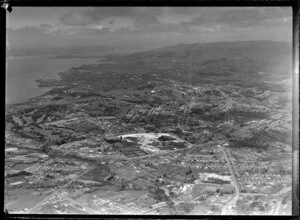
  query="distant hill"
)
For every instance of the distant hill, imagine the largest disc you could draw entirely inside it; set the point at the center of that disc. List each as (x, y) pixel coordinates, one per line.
(62, 52)
(239, 63)
(252, 57)
(259, 51)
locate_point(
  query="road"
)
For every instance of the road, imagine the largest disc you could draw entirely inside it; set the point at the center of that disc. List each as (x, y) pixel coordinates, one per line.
(278, 206)
(151, 210)
(156, 154)
(56, 191)
(225, 96)
(279, 201)
(228, 99)
(282, 191)
(266, 124)
(228, 105)
(89, 210)
(232, 202)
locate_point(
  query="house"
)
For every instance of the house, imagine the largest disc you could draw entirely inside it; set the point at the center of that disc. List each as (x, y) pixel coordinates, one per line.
(11, 150)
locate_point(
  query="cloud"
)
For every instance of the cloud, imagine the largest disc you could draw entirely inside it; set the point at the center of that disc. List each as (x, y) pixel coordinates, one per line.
(81, 17)
(38, 30)
(242, 18)
(30, 36)
(109, 25)
(121, 20)
(157, 19)
(76, 18)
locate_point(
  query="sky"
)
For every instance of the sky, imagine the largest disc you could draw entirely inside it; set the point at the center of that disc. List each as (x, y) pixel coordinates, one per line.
(144, 27)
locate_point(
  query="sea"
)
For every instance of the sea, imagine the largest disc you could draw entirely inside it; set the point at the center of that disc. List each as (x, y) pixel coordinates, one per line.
(22, 71)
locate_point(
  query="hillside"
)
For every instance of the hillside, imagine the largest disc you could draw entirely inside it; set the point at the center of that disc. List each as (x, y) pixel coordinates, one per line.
(239, 63)
(248, 57)
(172, 130)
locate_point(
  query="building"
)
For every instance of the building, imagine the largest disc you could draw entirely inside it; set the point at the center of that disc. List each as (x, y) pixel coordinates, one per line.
(11, 150)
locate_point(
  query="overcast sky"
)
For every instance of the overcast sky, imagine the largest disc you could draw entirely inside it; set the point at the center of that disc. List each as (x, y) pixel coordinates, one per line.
(142, 27)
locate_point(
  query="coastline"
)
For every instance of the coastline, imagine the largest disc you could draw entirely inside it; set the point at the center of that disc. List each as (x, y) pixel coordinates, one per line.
(23, 71)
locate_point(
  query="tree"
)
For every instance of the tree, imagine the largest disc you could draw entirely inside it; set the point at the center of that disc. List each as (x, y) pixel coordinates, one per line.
(122, 186)
(45, 148)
